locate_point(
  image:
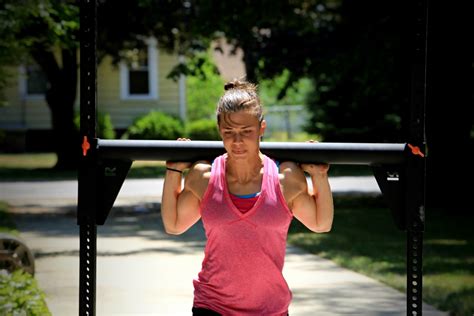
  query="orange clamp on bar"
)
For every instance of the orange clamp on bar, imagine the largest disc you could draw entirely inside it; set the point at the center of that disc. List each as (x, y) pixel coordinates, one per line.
(415, 150)
(85, 146)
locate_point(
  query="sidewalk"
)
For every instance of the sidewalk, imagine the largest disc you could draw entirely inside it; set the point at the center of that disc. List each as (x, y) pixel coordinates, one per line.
(137, 191)
(143, 271)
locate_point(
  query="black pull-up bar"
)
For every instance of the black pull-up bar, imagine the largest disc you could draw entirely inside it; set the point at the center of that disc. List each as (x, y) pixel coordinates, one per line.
(333, 153)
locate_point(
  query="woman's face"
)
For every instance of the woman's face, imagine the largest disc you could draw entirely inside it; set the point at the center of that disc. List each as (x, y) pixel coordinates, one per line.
(241, 132)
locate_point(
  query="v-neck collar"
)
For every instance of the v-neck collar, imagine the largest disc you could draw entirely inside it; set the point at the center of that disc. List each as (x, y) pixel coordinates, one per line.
(263, 191)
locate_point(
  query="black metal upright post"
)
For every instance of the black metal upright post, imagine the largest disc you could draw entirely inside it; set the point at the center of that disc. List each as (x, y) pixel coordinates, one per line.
(87, 193)
(415, 167)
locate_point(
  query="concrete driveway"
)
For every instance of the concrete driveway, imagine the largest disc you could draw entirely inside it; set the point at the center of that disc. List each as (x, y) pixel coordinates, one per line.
(143, 271)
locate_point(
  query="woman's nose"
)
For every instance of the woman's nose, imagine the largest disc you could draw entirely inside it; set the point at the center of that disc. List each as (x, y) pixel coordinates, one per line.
(237, 138)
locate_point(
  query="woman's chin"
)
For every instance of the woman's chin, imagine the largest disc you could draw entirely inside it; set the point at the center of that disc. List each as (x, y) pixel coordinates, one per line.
(239, 154)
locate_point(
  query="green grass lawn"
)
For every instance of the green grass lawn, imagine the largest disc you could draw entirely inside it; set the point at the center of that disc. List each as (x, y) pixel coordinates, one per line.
(364, 239)
(38, 166)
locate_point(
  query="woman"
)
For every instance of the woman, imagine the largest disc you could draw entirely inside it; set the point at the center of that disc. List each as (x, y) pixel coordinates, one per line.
(246, 204)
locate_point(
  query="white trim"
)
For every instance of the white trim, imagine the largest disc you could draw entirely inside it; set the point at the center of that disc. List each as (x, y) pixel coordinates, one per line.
(23, 84)
(182, 93)
(153, 55)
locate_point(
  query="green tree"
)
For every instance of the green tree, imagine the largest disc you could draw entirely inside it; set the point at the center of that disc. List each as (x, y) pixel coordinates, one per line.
(47, 32)
(362, 81)
(359, 55)
(203, 89)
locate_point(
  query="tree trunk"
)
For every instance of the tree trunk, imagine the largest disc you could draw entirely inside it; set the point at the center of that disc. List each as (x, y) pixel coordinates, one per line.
(60, 98)
(449, 110)
(250, 63)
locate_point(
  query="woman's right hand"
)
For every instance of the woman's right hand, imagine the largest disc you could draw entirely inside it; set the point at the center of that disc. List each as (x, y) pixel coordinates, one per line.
(179, 165)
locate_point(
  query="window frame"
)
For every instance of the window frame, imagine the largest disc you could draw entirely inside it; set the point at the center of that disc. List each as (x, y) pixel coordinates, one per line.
(23, 85)
(152, 54)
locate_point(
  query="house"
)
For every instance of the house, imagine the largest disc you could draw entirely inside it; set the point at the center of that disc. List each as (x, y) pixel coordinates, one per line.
(125, 92)
(229, 63)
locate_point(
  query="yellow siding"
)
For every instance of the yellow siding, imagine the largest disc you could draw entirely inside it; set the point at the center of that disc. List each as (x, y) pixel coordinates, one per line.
(12, 114)
(124, 112)
(21, 112)
(34, 113)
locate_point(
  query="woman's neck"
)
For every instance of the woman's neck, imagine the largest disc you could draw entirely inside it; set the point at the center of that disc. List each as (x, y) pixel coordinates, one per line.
(244, 171)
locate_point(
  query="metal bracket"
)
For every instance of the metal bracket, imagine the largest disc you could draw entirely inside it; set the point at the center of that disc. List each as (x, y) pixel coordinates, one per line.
(391, 181)
(110, 174)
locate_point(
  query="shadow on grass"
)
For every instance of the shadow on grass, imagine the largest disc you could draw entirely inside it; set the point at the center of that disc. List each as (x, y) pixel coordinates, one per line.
(365, 239)
(136, 172)
(19, 174)
(141, 222)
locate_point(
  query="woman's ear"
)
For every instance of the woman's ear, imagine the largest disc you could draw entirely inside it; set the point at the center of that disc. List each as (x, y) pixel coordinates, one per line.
(263, 126)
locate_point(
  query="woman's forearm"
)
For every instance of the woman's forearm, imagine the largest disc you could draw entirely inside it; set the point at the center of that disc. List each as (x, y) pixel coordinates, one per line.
(172, 187)
(324, 202)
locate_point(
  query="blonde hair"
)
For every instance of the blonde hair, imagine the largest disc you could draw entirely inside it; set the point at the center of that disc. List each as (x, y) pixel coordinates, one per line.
(240, 96)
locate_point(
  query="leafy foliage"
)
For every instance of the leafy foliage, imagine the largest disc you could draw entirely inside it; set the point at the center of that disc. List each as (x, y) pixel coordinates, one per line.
(155, 125)
(203, 89)
(105, 128)
(361, 87)
(20, 295)
(30, 26)
(205, 129)
(19, 292)
(295, 93)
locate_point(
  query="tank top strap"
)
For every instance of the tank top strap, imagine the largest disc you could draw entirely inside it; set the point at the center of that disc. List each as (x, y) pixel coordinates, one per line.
(218, 172)
(271, 179)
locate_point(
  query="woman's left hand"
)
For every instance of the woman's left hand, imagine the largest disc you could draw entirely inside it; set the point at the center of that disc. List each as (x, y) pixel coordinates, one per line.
(315, 169)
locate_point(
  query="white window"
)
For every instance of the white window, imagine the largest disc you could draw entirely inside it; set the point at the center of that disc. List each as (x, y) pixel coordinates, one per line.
(139, 77)
(33, 81)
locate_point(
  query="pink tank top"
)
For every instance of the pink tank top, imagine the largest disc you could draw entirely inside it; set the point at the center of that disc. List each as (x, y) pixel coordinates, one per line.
(242, 268)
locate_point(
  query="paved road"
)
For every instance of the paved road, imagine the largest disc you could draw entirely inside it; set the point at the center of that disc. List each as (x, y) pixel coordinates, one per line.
(143, 271)
(136, 191)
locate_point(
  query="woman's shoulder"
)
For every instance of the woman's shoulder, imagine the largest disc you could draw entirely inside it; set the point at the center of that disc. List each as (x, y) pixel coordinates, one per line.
(198, 177)
(200, 167)
(290, 172)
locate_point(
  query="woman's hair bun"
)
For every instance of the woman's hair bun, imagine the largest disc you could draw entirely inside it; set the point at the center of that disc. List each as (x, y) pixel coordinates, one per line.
(229, 85)
(237, 84)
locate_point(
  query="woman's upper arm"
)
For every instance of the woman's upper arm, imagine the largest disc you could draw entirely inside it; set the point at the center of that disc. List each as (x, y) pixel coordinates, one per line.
(293, 182)
(189, 199)
(197, 180)
(299, 200)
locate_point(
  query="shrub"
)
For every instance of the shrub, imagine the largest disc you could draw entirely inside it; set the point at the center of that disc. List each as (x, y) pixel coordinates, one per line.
(203, 130)
(105, 128)
(20, 295)
(155, 125)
